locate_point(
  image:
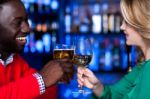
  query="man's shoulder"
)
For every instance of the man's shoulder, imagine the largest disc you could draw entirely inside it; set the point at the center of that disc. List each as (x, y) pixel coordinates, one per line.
(18, 58)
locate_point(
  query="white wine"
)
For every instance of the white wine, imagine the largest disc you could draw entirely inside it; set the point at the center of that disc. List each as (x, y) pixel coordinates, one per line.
(82, 60)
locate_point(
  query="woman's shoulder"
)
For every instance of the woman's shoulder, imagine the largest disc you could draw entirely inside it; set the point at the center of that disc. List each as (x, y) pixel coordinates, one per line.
(143, 63)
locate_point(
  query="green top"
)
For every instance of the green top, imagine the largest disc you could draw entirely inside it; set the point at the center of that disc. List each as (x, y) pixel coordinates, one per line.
(134, 85)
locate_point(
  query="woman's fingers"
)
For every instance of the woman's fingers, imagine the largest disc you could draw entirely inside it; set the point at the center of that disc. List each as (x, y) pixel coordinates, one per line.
(87, 83)
(86, 77)
(88, 72)
(80, 82)
(80, 70)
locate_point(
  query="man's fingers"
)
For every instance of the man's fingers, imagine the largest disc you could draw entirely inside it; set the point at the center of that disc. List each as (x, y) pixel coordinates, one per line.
(66, 65)
(68, 70)
(65, 79)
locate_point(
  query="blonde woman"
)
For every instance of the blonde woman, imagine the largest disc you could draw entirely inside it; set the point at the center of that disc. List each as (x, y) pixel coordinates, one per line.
(136, 84)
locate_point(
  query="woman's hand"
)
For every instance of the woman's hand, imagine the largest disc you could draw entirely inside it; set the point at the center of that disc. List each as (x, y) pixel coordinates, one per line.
(87, 78)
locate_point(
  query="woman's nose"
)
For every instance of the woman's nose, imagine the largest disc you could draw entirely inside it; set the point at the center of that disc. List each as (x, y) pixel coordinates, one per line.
(123, 26)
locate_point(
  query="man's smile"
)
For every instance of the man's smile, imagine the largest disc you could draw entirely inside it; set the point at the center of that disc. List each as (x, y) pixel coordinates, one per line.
(21, 40)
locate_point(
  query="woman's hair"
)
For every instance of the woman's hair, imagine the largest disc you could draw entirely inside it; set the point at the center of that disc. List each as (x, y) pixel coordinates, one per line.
(137, 14)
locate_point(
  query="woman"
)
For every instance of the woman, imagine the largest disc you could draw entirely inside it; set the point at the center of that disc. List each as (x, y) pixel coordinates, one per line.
(136, 84)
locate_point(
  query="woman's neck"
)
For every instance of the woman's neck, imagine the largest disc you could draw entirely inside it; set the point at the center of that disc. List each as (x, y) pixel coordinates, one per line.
(146, 51)
(4, 54)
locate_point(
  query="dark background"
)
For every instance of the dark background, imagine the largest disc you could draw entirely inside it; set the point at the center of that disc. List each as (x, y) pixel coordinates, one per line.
(60, 21)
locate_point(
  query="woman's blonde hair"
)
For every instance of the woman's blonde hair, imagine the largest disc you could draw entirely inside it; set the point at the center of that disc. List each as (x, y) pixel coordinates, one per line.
(137, 14)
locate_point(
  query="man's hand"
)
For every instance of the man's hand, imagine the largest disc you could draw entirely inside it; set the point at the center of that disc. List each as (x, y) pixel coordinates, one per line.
(57, 70)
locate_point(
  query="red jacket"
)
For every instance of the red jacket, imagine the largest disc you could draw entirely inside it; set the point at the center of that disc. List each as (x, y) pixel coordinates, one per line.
(17, 81)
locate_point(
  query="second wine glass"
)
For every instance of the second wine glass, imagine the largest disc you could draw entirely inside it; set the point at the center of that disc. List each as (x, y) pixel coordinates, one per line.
(83, 56)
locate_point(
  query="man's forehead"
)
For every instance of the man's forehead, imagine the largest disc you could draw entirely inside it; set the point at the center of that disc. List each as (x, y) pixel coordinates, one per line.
(11, 5)
(7, 8)
(11, 9)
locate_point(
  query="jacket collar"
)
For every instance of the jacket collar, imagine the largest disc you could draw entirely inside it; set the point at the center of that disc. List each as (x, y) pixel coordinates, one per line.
(8, 60)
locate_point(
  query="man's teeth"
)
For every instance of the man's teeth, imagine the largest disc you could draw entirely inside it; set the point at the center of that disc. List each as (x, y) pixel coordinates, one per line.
(21, 38)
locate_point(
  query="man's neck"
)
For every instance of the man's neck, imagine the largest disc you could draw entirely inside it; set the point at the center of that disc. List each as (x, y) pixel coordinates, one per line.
(4, 55)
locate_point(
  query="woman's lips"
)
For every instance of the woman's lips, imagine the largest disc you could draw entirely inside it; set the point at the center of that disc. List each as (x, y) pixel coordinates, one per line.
(126, 34)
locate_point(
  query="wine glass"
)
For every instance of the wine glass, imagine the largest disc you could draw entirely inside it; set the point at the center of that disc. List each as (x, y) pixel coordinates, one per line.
(82, 56)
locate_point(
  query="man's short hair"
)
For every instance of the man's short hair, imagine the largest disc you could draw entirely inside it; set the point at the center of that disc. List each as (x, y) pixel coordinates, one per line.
(4, 1)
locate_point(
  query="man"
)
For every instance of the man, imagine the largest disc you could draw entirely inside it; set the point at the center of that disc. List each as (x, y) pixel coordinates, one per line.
(17, 79)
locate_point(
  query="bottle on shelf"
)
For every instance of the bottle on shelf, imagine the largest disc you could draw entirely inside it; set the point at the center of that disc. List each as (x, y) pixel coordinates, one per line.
(111, 23)
(96, 20)
(32, 42)
(68, 19)
(116, 54)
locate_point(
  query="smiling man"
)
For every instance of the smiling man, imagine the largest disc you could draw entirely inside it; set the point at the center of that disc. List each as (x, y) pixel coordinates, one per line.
(17, 79)
(13, 27)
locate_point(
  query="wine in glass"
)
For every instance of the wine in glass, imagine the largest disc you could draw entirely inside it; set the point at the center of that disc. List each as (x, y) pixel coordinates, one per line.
(82, 56)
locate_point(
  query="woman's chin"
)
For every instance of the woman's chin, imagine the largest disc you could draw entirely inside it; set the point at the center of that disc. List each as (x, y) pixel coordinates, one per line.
(128, 43)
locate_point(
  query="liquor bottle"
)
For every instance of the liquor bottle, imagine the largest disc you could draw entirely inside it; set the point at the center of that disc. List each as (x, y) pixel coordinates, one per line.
(124, 54)
(27, 48)
(46, 38)
(54, 5)
(117, 22)
(111, 24)
(75, 20)
(105, 23)
(39, 46)
(116, 54)
(108, 56)
(32, 8)
(67, 20)
(96, 20)
(32, 42)
(105, 55)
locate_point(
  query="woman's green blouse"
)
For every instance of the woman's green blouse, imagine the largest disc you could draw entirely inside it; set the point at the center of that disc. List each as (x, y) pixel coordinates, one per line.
(134, 85)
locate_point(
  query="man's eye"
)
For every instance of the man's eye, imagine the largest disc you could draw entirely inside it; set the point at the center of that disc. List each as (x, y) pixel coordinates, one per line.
(17, 23)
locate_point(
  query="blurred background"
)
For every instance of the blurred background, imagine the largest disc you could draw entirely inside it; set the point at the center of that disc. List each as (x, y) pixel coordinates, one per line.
(59, 21)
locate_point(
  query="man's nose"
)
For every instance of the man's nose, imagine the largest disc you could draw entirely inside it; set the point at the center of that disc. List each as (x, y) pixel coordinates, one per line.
(25, 27)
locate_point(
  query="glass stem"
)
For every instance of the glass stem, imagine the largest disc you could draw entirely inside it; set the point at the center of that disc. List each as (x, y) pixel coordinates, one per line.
(79, 86)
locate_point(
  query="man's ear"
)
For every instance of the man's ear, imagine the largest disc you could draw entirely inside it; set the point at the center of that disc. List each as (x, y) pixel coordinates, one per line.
(0, 7)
